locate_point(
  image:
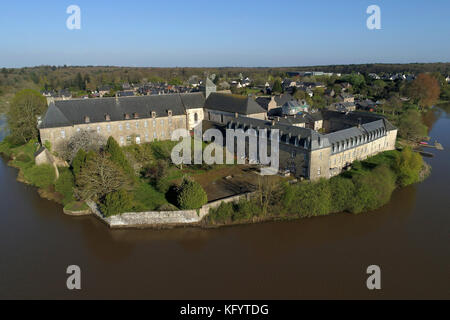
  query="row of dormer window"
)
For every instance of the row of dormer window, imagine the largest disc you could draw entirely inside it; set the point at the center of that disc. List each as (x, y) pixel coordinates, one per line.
(354, 141)
(127, 116)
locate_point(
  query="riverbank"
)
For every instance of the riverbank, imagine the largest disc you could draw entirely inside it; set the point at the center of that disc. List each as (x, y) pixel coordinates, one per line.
(367, 186)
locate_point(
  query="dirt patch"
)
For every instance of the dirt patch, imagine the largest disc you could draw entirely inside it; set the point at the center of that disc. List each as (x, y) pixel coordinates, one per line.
(229, 181)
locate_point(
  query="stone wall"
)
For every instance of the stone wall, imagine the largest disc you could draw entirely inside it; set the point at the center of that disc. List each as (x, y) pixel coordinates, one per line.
(161, 218)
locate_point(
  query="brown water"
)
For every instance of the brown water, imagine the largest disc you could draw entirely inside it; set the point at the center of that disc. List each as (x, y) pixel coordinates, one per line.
(312, 258)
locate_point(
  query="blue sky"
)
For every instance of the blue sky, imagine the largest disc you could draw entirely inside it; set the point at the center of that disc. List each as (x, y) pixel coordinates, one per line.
(203, 33)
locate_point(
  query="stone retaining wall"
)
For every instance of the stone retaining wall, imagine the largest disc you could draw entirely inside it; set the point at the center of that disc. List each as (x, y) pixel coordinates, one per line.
(161, 218)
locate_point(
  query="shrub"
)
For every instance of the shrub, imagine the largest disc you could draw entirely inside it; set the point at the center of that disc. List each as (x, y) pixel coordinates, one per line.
(308, 199)
(116, 202)
(245, 210)
(342, 193)
(373, 190)
(117, 155)
(167, 207)
(190, 195)
(78, 161)
(65, 185)
(407, 166)
(222, 213)
(157, 172)
(40, 176)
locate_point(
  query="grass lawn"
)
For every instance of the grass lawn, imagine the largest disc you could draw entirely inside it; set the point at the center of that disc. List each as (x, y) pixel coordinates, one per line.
(146, 197)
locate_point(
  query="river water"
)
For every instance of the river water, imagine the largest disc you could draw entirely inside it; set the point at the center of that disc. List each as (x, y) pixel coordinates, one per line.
(323, 257)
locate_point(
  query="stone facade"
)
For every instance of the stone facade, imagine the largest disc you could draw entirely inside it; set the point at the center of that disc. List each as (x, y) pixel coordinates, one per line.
(124, 132)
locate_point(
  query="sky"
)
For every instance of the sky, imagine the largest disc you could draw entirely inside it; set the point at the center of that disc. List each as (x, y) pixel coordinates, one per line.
(209, 33)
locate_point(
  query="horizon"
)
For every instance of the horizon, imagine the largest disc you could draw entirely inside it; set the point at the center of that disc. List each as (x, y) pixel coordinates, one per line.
(205, 34)
(225, 67)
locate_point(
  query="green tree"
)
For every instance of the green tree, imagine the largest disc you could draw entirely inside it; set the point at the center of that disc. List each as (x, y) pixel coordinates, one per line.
(116, 202)
(373, 189)
(410, 125)
(276, 88)
(190, 195)
(407, 166)
(117, 155)
(342, 192)
(26, 107)
(65, 185)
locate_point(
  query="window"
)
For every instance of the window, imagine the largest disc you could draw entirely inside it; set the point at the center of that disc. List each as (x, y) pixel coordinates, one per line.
(146, 137)
(162, 134)
(137, 125)
(145, 124)
(138, 139)
(108, 127)
(128, 139)
(98, 129)
(128, 126)
(162, 122)
(154, 123)
(63, 134)
(122, 141)
(318, 171)
(120, 127)
(293, 154)
(320, 156)
(78, 129)
(154, 135)
(170, 122)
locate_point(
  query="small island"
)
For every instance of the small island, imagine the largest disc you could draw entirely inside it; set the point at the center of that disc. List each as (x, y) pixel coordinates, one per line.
(111, 156)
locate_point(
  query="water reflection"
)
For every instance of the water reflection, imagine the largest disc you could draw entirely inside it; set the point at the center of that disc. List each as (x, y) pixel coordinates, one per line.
(319, 257)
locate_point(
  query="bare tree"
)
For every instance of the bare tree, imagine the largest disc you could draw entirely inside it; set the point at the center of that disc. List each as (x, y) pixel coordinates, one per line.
(99, 177)
(268, 192)
(86, 140)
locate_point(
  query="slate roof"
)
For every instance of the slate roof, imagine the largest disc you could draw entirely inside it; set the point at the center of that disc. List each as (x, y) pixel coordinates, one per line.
(306, 137)
(282, 99)
(263, 102)
(193, 100)
(363, 129)
(72, 112)
(233, 104)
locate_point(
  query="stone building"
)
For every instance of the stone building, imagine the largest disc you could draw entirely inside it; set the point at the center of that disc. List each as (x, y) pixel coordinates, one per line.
(126, 119)
(306, 153)
(312, 145)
